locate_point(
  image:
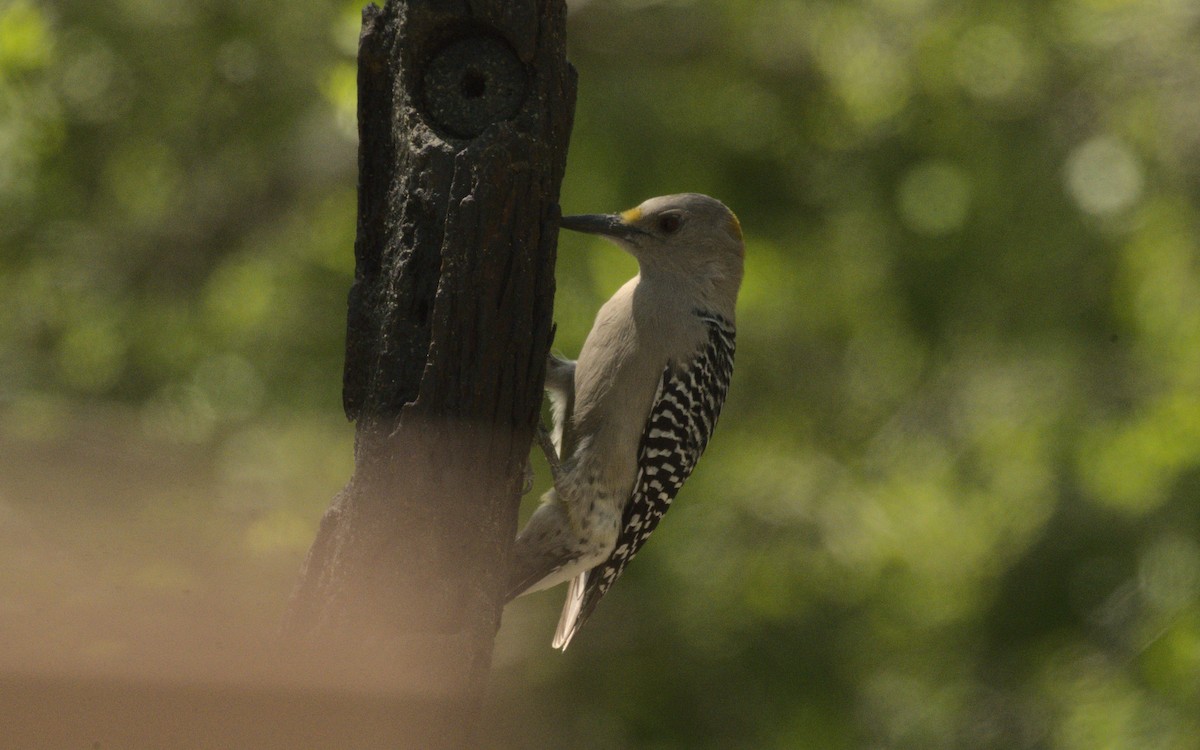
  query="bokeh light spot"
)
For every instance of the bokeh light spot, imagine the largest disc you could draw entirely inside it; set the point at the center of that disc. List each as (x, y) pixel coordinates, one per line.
(87, 78)
(990, 62)
(91, 355)
(179, 414)
(1104, 176)
(1169, 571)
(144, 180)
(231, 384)
(340, 87)
(279, 531)
(868, 73)
(25, 39)
(240, 296)
(934, 198)
(238, 62)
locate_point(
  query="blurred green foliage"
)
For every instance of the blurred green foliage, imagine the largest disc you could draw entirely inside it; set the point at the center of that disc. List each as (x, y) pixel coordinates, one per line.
(953, 498)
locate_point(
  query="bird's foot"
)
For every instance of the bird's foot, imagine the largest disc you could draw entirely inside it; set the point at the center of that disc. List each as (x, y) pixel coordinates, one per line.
(527, 478)
(551, 453)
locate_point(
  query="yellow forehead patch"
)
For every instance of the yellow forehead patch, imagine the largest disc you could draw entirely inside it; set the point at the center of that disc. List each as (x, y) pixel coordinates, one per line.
(735, 225)
(632, 215)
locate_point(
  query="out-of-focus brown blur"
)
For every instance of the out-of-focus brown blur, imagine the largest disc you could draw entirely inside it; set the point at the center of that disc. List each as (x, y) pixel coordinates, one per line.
(952, 498)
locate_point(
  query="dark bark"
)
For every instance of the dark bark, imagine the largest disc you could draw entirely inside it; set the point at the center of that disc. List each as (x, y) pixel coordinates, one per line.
(464, 116)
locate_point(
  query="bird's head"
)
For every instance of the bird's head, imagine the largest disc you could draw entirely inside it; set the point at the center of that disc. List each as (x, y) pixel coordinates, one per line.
(688, 237)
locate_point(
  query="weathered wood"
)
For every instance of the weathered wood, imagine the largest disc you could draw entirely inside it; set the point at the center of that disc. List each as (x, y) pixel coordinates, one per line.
(464, 116)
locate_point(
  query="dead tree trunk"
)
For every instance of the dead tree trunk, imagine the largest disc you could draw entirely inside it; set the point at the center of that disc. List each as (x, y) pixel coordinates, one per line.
(464, 114)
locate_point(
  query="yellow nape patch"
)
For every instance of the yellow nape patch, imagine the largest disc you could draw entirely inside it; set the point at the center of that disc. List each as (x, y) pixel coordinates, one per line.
(735, 225)
(632, 215)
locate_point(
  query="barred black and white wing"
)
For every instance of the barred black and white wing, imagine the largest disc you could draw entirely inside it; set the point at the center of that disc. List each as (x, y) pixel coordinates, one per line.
(681, 421)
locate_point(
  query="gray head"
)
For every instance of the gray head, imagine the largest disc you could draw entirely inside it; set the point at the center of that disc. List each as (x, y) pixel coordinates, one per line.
(689, 238)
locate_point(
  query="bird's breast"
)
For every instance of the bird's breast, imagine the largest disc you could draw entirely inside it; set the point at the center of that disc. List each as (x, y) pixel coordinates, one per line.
(617, 377)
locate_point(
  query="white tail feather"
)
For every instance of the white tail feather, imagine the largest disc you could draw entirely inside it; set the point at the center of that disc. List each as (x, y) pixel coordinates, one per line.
(570, 613)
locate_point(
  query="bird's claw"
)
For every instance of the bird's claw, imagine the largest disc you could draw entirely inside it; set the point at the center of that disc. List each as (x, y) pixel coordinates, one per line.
(527, 478)
(551, 453)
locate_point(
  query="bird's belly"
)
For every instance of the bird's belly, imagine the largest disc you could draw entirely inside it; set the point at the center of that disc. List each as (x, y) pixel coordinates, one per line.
(594, 512)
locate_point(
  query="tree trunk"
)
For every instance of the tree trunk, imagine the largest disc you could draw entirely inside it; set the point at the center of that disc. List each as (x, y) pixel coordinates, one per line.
(464, 114)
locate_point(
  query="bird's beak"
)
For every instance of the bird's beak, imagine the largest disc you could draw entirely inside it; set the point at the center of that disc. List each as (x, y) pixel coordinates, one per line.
(606, 225)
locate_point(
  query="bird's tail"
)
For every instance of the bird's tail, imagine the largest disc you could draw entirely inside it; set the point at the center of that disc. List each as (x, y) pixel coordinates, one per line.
(569, 622)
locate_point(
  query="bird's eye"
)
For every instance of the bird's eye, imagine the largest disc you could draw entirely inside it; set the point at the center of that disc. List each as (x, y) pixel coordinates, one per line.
(669, 223)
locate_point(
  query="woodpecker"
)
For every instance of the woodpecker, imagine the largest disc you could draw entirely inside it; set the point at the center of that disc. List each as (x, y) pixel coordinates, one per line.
(633, 414)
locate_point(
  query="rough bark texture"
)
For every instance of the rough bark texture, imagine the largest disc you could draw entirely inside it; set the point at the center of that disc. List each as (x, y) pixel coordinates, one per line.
(464, 116)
